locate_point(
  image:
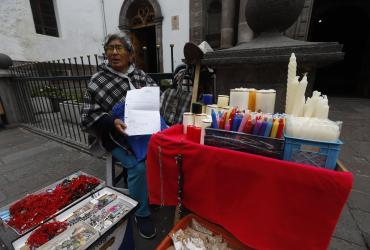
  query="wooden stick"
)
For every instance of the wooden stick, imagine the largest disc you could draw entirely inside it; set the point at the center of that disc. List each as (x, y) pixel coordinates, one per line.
(194, 96)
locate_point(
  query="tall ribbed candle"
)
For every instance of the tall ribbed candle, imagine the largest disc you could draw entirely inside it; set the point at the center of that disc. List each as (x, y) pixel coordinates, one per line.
(292, 72)
(299, 98)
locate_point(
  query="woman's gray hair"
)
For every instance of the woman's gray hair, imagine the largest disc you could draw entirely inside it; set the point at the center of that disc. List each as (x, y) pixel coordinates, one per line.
(125, 40)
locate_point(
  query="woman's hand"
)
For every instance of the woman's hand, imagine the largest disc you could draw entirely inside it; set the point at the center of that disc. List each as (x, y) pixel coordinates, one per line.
(120, 126)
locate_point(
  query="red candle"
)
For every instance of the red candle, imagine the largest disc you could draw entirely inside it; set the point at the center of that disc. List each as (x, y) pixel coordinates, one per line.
(193, 134)
(279, 133)
(189, 132)
(196, 135)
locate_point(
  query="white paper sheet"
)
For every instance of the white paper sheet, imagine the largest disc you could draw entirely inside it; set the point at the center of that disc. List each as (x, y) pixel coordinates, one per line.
(142, 111)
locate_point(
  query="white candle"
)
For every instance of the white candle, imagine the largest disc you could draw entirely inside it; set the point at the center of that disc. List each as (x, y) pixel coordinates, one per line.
(211, 107)
(292, 72)
(222, 101)
(265, 100)
(239, 98)
(312, 128)
(198, 119)
(206, 123)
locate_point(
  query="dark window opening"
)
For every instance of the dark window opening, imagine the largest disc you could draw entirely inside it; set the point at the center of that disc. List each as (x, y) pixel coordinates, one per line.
(44, 17)
(213, 35)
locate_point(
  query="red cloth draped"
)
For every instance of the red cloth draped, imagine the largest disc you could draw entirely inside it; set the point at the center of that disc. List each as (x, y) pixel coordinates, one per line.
(264, 202)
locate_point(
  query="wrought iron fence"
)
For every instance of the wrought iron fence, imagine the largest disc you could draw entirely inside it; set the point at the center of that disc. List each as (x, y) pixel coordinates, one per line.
(49, 95)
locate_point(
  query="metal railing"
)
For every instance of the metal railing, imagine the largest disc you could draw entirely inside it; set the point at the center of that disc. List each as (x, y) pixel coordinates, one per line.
(49, 95)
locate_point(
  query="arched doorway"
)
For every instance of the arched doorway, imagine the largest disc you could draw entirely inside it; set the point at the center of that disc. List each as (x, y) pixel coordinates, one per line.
(346, 22)
(142, 19)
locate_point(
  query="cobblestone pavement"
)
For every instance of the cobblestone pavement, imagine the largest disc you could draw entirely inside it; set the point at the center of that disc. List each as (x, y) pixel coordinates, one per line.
(29, 162)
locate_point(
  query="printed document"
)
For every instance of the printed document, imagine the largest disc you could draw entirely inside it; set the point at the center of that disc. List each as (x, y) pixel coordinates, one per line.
(142, 111)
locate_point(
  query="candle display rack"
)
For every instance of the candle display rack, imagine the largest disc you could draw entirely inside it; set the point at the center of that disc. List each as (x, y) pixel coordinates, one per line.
(317, 153)
(270, 147)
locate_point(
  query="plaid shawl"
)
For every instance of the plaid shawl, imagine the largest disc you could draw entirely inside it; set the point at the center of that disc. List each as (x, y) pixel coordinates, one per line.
(106, 88)
(174, 102)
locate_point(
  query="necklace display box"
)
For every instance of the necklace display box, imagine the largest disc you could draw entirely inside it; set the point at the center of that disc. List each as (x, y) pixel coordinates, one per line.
(98, 218)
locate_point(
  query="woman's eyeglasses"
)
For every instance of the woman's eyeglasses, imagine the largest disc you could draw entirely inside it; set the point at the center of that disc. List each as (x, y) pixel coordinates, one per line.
(119, 48)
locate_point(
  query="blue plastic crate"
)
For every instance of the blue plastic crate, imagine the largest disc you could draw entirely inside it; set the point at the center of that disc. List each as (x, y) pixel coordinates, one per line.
(316, 153)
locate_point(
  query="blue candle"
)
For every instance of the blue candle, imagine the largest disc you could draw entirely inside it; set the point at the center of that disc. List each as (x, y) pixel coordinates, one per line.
(257, 127)
(263, 127)
(236, 122)
(207, 99)
(214, 119)
(268, 128)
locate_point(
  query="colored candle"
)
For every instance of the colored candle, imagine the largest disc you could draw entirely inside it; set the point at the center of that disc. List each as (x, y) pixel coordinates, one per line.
(257, 127)
(275, 127)
(268, 128)
(228, 113)
(243, 122)
(214, 119)
(223, 121)
(252, 100)
(263, 127)
(227, 125)
(237, 121)
(232, 115)
(190, 132)
(196, 135)
(248, 127)
(207, 99)
(193, 134)
(279, 133)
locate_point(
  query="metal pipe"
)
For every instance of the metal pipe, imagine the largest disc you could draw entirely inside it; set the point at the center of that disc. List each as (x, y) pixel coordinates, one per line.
(103, 16)
(172, 66)
(157, 47)
(144, 48)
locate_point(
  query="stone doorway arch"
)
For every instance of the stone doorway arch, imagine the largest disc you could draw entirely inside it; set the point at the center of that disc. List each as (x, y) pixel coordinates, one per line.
(142, 19)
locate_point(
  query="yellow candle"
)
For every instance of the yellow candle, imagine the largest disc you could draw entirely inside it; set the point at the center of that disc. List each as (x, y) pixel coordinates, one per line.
(228, 113)
(275, 127)
(252, 100)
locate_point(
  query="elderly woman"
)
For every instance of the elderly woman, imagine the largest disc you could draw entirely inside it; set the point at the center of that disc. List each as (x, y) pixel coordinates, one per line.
(107, 88)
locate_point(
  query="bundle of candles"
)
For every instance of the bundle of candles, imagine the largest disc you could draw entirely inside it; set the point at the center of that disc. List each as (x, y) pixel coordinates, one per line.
(312, 128)
(267, 125)
(262, 100)
(308, 119)
(296, 104)
(244, 99)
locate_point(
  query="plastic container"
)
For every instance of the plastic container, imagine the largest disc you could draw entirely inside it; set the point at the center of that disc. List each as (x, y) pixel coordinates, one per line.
(317, 153)
(217, 230)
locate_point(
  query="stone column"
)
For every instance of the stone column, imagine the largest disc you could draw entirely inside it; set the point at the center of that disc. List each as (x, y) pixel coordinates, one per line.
(227, 23)
(245, 33)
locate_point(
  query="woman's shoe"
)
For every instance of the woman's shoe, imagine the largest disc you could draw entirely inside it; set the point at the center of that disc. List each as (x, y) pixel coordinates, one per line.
(145, 227)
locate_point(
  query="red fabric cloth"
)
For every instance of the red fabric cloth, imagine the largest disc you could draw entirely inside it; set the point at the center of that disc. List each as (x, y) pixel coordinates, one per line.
(264, 202)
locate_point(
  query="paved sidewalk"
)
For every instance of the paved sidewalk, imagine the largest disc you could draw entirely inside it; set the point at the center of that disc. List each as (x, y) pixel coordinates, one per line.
(29, 162)
(353, 229)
